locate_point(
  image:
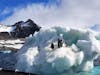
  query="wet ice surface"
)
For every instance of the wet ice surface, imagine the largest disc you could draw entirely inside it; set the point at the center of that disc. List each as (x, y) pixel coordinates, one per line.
(8, 65)
(37, 56)
(7, 60)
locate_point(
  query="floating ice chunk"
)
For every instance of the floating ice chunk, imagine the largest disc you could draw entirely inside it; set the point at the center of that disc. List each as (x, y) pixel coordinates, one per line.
(26, 60)
(7, 51)
(74, 48)
(79, 58)
(84, 45)
(36, 56)
(64, 59)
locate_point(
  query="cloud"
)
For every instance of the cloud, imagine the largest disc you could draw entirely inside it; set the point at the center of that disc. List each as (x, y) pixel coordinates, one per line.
(81, 13)
(6, 11)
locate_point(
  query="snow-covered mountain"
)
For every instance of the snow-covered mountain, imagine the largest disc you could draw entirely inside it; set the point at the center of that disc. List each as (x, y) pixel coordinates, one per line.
(95, 27)
(4, 28)
(10, 34)
(20, 29)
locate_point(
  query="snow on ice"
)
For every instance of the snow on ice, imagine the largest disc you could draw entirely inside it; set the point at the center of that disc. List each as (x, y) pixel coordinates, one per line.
(79, 48)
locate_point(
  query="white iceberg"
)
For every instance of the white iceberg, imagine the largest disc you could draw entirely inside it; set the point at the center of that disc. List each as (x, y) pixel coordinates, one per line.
(37, 56)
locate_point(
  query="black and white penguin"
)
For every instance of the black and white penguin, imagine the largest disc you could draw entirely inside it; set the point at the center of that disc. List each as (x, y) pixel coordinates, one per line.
(61, 41)
(52, 45)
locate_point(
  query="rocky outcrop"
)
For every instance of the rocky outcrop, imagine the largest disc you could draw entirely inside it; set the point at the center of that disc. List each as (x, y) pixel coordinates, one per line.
(24, 29)
(11, 36)
(20, 29)
(5, 35)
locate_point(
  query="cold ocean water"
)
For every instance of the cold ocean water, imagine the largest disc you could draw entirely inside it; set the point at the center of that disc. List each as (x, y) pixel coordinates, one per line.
(96, 70)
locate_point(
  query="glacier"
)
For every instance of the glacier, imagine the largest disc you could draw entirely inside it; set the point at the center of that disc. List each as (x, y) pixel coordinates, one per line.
(80, 48)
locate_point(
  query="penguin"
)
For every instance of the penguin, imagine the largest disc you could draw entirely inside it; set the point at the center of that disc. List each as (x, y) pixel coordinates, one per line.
(60, 41)
(52, 45)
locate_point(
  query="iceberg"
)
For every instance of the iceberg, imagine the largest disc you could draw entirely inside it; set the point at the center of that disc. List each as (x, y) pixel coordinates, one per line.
(7, 60)
(79, 49)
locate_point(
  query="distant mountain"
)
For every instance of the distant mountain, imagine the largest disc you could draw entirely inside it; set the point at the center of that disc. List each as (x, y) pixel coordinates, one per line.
(95, 27)
(20, 29)
(24, 29)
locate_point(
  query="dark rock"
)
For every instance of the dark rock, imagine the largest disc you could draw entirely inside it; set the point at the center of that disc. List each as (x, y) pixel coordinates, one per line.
(5, 35)
(24, 29)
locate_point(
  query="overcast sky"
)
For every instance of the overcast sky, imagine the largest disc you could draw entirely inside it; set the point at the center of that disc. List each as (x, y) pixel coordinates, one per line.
(81, 13)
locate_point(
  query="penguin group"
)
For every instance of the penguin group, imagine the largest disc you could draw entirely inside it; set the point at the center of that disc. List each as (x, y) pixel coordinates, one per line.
(60, 42)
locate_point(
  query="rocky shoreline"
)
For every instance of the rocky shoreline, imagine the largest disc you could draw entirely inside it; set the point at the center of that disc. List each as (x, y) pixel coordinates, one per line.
(9, 72)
